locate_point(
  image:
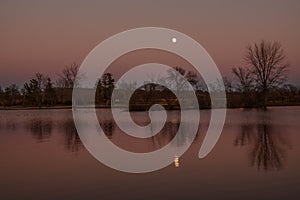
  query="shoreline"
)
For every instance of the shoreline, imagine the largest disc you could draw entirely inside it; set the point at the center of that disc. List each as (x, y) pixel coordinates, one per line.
(108, 107)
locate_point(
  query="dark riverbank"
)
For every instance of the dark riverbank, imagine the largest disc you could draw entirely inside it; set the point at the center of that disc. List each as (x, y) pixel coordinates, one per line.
(137, 107)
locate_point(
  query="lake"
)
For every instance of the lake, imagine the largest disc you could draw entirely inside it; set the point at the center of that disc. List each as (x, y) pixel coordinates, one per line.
(256, 157)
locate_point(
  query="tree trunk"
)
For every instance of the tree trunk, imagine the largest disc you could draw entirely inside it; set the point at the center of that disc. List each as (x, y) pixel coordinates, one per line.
(264, 99)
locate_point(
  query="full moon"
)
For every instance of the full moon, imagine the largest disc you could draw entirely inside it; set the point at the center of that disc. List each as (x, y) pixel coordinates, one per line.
(174, 40)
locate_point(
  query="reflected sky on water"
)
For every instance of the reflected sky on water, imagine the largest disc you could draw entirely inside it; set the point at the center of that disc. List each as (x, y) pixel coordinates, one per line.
(257, 157)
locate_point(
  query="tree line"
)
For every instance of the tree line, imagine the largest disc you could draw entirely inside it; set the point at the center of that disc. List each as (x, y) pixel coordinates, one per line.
(42, 91)
(261, 82)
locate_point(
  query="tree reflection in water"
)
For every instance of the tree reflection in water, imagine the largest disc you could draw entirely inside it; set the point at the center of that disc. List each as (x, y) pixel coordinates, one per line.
(268, 148)
(170, 130)
(268, 152)
(167, 134)
(41, 129)
(72, 140)
(244, 137)
(108, 127)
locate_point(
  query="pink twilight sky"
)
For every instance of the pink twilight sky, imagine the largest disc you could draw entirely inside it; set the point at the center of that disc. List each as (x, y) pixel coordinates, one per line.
(44, 36)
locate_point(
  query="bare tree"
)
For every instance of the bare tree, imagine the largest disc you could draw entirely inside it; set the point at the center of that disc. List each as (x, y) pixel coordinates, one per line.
(175, 80)
(201, 86)
(267, 63)
(42, 80)
(68, 76)
(228, 84)
(176, 77)
(245, 79)
(244, 85)
(192, 78)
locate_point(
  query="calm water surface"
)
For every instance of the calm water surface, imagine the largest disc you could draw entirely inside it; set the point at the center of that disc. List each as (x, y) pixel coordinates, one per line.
(257, 157)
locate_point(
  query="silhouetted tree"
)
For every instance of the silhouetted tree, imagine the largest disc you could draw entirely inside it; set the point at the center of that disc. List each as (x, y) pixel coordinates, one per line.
(68, 76)
(245, 79)
(124, 89)
(201, 86)
(42, 80)
(192, 78)
(291, 92)
(1, 96)
(228, 84)
(107, 84)
(49, 93)
(32, 93)
(176, 78)
(11, 95)
(268, 65)
(99, 92)
(245, 84)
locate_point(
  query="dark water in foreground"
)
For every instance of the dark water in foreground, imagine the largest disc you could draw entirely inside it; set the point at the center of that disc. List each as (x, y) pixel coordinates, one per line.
(257, 157)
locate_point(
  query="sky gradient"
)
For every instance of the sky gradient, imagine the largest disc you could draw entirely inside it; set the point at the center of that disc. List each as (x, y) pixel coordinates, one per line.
(44, 36)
